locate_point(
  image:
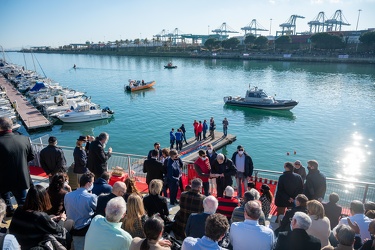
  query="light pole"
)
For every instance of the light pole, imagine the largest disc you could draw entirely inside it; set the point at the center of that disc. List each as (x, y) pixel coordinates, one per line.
(359, 13)
(270, 25)
(208, 30)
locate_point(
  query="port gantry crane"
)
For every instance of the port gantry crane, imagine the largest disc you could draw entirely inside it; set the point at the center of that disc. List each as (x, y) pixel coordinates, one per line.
(318, 24)
(253, 27)
(336, 21)
(172, 36)
(289, 25)
(223, 30)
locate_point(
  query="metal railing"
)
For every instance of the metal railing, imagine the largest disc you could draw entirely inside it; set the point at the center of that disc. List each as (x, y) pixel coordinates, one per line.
(133, 165)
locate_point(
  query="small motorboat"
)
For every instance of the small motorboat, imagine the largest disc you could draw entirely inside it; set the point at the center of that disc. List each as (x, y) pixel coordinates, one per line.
(170, 66)
(138, 85)
(85, 112)
(257, 98)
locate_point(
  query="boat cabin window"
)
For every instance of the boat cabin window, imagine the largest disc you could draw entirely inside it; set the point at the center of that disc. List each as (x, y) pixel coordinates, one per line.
(263, 94)
(254, 95)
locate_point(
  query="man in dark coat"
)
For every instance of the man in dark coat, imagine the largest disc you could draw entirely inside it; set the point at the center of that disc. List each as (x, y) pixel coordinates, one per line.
(118, 190)
(288, 187)
(97, 159)
(332, 210)
(15, 153)
(298, 239)
(157, 148)
(224, 169)
(153, 168)
(315, 185)
(244, 165)
(52, 158)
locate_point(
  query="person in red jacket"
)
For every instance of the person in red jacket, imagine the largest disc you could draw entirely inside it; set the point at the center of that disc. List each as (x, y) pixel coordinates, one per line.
(195, 125)
(202, 167)
(199, 131)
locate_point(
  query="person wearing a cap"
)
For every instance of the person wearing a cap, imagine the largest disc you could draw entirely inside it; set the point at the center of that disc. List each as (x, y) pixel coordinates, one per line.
(97, 160)
(52, 158)
(245, 167)
(299, 169)
(80, 157)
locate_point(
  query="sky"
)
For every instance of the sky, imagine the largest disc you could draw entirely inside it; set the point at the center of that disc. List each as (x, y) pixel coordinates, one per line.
(25, 23)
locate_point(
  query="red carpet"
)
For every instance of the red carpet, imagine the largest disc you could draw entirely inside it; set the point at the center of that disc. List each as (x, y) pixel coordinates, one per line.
(38, 171)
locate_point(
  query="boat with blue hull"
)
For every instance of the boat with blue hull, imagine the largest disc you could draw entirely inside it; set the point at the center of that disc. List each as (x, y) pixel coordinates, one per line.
(257, 98)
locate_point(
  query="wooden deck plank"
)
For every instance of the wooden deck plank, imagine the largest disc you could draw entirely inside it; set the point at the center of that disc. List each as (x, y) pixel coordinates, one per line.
(30, 116)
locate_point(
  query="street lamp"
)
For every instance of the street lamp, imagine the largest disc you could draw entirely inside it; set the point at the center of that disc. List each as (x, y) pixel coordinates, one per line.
(270, 25)
(359, 13)
(208, 30)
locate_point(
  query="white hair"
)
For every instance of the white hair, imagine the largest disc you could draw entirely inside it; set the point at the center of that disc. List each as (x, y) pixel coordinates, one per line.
(255, 193)
(220, 156)
(303, 221)
(115, 209)
(210, 204)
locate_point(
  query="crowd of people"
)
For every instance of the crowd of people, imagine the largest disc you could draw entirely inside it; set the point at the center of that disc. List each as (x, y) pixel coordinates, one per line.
(98, 214)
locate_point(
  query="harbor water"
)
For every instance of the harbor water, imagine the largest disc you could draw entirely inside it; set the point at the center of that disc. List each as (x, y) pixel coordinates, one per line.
(333, 123)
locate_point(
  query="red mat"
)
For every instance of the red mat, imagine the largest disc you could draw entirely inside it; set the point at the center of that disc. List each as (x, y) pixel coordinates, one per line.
(38, 171)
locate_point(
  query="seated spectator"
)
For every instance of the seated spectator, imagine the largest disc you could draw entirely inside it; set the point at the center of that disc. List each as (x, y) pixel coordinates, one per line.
(249, 231)
(153, 229)
(57, 194)
(320, 226)
(154, 203)
(9, 241)
(101, 185)
(131, 188)
(332, 210)
(135, 217)
(215, 229)
(369, 206)
(118, 189)
(30, 223)
(227, 203)
(298, 239)
(238, 212)
(301, 201)
(254, 193)
(345, 236)
(190, 202)
(80, 206)
(266, 199)
(371, 214)
(357, 210)
(106, 232)
(196, 222)
(370, 243)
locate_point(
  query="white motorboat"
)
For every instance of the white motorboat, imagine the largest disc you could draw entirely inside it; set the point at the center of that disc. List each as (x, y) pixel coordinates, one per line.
(257, 98)
(85, 112)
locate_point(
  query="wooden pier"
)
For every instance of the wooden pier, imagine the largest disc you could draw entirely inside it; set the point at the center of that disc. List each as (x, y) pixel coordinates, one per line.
(30, 116)
(189, 151)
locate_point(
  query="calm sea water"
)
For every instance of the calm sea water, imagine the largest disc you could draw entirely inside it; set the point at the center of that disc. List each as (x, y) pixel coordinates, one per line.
(334, 122)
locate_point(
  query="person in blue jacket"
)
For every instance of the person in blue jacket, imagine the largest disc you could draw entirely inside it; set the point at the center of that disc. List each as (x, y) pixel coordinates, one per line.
(178, 135)
(205, 128)
(172, 138)
(173, 175)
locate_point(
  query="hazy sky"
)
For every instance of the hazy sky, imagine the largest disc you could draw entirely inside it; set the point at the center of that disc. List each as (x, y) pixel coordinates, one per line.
(58, 22)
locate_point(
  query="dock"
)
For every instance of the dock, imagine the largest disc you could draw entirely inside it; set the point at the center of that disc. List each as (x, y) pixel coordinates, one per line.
(189, 151)
(32, 118)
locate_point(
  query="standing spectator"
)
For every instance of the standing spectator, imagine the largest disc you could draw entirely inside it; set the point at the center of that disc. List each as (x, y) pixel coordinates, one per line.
(288, 187)
(157, 148)
(9, 241)
(266, 199)
(118, 190)
(249, 231)
(244, 165)
(15, 153)
(172, 138)
(89, 139)
(80, 206)
(211, 154)
(315, 185)
(106, 232)
(165, 154)
(135, 217)
(199, 131)
(224, 170)
(212, 128)
(154, 203)
(153, 168)
(190, 202)
(320, 226)
(227, 203)
(298, 239)
(56, 193)
(80, 158)
(97, 160)
(202, 168)
(215, 229)
(204, 129)
(195, 224)
(332, 210)
(101, 185)
(299, 169)
(225, 126)
(173, 175)
(178, 136)
(183, 130)
(52, 158)
(195, 126)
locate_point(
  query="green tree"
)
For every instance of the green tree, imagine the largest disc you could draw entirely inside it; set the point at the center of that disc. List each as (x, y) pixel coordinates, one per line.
(230, 43)
(211, 44)
(327, 41)
(261, 41)
(368, 38)
(249, 39)
(283, 40)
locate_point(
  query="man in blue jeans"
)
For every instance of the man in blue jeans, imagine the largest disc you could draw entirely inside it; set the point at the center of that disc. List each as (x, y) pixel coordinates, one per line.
(172, 138)
(245, 167)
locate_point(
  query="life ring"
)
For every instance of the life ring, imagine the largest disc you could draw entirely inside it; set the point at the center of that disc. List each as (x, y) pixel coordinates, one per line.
(68, 111)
